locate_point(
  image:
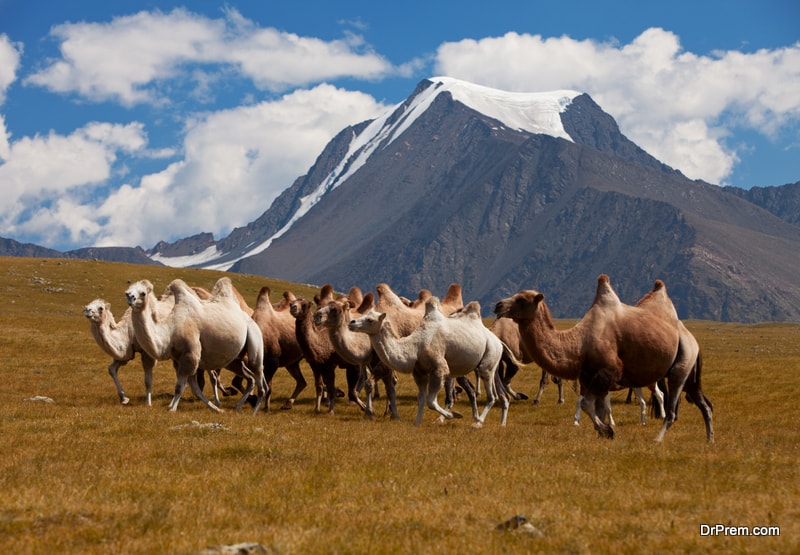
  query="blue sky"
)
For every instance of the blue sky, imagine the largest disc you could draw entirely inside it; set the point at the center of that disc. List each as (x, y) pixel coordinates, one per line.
(125, 123)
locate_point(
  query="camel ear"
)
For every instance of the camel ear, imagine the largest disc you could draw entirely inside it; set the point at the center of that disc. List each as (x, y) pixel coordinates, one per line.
(382, 317)
(538, 298)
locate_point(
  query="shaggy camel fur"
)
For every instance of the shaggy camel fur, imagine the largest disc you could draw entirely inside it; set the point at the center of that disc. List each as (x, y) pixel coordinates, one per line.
(439, 347)
(356, 348)
(685, 374)
(117, 340)
(198, 334)
(614, 344)
(281, 347)
(320, 354)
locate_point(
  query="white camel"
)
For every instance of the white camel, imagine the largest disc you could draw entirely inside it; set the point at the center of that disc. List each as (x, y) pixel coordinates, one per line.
(117, 340)
(199, 334)
(439, 347)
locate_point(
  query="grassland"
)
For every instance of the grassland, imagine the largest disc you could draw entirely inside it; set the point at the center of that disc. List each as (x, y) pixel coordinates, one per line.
(87, 475)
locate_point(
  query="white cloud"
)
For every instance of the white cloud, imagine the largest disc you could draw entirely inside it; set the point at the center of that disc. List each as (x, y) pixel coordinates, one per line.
(9, 63)
(675, 104)
(129, 58)
(38, 174)
(235, 163)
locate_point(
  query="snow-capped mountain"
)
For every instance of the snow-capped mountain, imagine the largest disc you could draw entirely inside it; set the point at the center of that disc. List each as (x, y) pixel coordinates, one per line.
(501, 191)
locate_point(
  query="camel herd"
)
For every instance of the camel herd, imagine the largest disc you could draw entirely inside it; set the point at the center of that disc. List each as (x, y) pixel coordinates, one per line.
(614, 346)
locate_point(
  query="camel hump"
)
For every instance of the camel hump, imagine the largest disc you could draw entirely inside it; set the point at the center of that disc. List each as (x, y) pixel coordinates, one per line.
(605, 293)
(325, 294)
(433, 308)
(473, 308)
(367, 303)
(223, 289)
(658, 285)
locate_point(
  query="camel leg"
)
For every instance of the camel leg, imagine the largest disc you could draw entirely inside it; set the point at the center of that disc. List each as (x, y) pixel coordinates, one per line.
(594, 407)
(213, 377)
(642, 405)
(369, 387)
(300, 384)
(199, 393)
(506, 371)
(464, 382)
(607, 409)
(504, 399)
(354, 377)
(435, 383)
(113, 368)
(491, 398)
(148, 363)
(390, 383)
(576, 420)
(422, 392)
(329, 379)
(560, 383)
(542, 383)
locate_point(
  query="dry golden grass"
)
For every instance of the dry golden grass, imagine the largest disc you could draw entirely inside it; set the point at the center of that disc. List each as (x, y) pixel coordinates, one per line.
(87, 475)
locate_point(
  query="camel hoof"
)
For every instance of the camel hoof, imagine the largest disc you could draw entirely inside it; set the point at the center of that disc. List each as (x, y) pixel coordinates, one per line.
(576, 423)
(521, 397)
(477, 424)
(457, 414)
(124, 400)
(535, 402)
(287, 405)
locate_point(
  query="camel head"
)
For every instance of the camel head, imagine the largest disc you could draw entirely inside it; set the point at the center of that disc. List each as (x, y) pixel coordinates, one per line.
(96, 309)
(300, 307)
(520, 306)
(370, 323)
(137, 294)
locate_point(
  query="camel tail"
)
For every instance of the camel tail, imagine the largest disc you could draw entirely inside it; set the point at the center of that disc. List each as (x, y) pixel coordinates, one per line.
(509, 356)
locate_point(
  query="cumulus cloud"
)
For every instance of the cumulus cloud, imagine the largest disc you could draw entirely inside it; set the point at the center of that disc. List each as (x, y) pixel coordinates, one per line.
(9, 63)
(677, 105)
(235, 163)
(128, 58)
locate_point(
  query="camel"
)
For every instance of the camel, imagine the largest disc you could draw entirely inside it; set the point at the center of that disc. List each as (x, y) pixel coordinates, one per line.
(508, 332)
(320, 354)
(281, 348)
(117, 340)
(198, 334)
(614, 344)
(686, 372)
(356, 348)
(439, 347)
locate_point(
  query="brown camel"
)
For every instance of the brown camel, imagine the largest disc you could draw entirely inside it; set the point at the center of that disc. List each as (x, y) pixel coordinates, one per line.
(685, 375)
(508, 332)
(356, 348)
(320, 354)
(198, 334)
(614, 344)
(281, 348)
(439, 347)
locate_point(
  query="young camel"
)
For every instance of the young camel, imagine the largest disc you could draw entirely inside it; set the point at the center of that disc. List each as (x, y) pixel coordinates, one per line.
(320, 354)
(117, 340)
(356, 348)
(198, 334)
(281, 347)
(437, 348)
(614, 344)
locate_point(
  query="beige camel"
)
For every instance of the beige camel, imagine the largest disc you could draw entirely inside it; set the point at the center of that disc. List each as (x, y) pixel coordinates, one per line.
(437, 348)
(614, 344)
(320, 354)
(118, 341)
(685, 374)
(356, 348)
(198, 334)
(281, 348)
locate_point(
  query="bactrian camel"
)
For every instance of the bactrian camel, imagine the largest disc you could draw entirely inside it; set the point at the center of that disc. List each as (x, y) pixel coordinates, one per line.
(281, 348)
(117, 340)
(199, 334)
(320, 354)
(613, 345)
(440, 347)
(356, 348)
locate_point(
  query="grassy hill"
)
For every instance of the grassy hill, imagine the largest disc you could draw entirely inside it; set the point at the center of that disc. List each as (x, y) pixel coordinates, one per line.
(85, 474)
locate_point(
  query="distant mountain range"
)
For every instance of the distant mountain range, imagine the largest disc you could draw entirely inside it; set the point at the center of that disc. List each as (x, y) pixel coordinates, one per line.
(503, 191)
